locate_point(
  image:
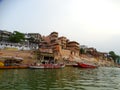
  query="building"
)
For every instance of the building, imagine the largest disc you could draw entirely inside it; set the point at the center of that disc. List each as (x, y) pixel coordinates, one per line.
(92, 51)
(63, 42)
(4, 35)
(46, 55)
(61, 47)
(34, 37)
(74, 47)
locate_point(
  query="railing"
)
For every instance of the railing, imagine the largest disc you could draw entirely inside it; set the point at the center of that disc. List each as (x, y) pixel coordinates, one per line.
(19, 46)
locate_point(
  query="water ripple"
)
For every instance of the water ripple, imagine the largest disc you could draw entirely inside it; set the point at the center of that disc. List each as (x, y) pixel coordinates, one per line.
(68, 78)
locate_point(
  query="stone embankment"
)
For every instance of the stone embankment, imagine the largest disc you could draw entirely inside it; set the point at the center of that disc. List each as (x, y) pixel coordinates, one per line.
(95, 61)
(29, 58)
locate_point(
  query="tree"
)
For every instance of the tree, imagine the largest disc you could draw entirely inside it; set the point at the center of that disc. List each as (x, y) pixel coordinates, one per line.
(82, 51)
(17, 37)
(113, 55)
(0, 38)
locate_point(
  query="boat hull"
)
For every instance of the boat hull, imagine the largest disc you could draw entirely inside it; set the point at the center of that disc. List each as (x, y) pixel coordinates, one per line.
(83, 65)
(47, 66)
(75, 65)
(13, 67)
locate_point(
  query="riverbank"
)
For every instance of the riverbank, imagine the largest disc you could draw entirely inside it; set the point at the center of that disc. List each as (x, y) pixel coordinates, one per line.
(97, 61)
(29, 57)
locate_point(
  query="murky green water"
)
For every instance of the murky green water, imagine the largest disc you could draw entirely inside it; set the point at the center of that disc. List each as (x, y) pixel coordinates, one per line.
(69, 78)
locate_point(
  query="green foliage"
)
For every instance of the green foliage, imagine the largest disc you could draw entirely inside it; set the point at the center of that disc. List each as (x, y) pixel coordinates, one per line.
(17, 37)
(82, 51)
(0, 38)
(113, 55)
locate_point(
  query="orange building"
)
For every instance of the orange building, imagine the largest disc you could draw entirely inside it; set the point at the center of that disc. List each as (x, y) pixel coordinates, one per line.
(62, 41)
(61, 47)
(74, 47)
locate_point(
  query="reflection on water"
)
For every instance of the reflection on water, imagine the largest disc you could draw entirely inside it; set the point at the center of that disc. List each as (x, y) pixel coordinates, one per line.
(68, 78)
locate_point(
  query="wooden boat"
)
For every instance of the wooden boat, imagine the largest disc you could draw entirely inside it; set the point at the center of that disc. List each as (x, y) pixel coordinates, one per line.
(75, 65)
(9, 62)
(85, 65)
(13, 67)
(47, 66)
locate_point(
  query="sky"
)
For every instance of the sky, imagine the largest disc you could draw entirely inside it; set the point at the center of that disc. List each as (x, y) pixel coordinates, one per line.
(94, 23)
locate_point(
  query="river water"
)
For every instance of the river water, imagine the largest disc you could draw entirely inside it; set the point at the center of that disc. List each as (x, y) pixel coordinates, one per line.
(68, 78)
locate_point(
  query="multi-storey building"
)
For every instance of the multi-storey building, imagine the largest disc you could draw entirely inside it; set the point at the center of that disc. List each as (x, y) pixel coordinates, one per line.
(74, 47)
(53, 37)
(4, 35)
(92, 51)
(61, 47)
(35, 36)
(63, 42)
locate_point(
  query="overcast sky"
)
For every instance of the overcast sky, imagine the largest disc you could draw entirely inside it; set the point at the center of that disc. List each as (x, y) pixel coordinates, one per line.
(95, 23)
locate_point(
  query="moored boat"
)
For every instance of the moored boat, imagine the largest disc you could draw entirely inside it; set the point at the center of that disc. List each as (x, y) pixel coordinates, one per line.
(85, 65)
(13, 67)
(12, 63)
(75, 65)
(47, 66)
